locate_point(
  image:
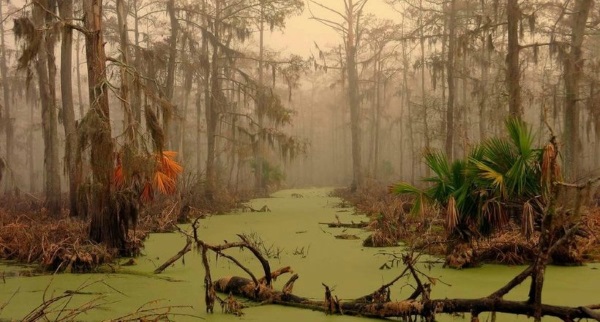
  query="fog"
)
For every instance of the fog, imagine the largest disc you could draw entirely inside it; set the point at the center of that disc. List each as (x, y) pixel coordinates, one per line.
(298, 110)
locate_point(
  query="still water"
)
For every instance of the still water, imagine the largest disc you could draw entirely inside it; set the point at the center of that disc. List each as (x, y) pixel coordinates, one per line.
(292, 233)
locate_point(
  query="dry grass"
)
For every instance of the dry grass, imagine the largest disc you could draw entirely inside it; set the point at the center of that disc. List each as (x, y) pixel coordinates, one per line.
(57, 244)
(390, 217)
(392, 223)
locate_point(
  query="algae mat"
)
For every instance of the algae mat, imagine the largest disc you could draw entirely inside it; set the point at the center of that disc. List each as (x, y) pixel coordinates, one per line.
(293, 236)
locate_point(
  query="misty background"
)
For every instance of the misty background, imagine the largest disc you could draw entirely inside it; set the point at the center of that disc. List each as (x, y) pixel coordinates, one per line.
(407, 102)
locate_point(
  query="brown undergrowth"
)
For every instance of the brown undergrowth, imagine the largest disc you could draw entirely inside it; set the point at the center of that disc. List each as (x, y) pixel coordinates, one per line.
(391, 220)
(30, 235)
(392, 223)
(57, 244)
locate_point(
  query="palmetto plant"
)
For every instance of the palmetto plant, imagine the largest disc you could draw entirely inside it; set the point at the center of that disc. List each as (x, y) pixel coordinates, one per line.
(154, 172)
(501, 179)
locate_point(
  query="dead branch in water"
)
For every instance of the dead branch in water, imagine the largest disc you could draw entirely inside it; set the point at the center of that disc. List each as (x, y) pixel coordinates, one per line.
(186, 248)
(361, 224)
(420, 303)
(378, 304)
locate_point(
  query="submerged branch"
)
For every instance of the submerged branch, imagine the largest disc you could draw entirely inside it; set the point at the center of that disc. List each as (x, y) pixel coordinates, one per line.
(426, 308)
(186, 248)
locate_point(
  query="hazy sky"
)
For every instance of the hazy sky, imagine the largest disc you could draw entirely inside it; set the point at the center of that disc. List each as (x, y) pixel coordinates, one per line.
(301, 32)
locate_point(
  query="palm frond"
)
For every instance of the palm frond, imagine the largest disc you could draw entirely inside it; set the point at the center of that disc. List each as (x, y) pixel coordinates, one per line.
(438, 163)
(118, 176)
(475, 191)
(405, 188)
(169, 166)
(495, 178)
(163, 183)
(520, 135)
(420, 196)
(499, 152)
(147, 193)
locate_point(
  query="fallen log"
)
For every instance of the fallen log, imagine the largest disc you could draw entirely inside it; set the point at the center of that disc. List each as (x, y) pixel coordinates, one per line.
(419, 304)
(378, 303)
(245, 287)
(362, 224)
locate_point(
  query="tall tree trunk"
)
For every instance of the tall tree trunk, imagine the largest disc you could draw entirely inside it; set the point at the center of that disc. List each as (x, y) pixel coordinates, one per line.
(170, 86)
(513, 74)
(353, 98)
(449, 146)
(259, 180)
(201, 83)
(105, 226)
(593, 107)
(423, 97)
(572, 75)
(129, 123)
(136, 99)
(485, 70)
(66, 88)
(203, 88)
(49, 117)
(212, 111)
(54, 204)
(5, 114)
(78, 73)
(443, 76)
(187, 87)
(406, 102)
(30, 153)
(465, 110)
(378, 107)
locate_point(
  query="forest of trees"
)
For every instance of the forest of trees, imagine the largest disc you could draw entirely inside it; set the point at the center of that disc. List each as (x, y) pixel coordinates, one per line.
(194, 81)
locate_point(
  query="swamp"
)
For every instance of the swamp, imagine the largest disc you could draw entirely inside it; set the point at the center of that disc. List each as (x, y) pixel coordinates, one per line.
(301, 160)
(293, 236)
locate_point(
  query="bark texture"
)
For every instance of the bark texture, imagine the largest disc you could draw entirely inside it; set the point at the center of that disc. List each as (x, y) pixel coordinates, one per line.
(573, 70)
(513, 72)
(5, 111)
(353, 99)
(68, 113)
(105, 226)
(46, 72)
(450, 64)
(370, 306)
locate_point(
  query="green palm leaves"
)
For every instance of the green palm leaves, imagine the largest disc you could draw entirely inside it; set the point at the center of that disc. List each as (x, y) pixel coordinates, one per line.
(500, 179)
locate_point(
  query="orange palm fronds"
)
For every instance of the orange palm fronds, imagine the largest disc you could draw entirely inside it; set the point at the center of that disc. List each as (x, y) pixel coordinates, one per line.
(165, 184)
(118, 177)
(166, 173)
(147, 193)
(163, 179)
(169, 166)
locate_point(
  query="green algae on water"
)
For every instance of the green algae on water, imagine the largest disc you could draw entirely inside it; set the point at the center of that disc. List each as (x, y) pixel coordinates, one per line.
(292, 228)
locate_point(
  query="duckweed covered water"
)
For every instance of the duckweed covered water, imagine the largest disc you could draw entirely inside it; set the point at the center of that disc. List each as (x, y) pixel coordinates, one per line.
(293, 236)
